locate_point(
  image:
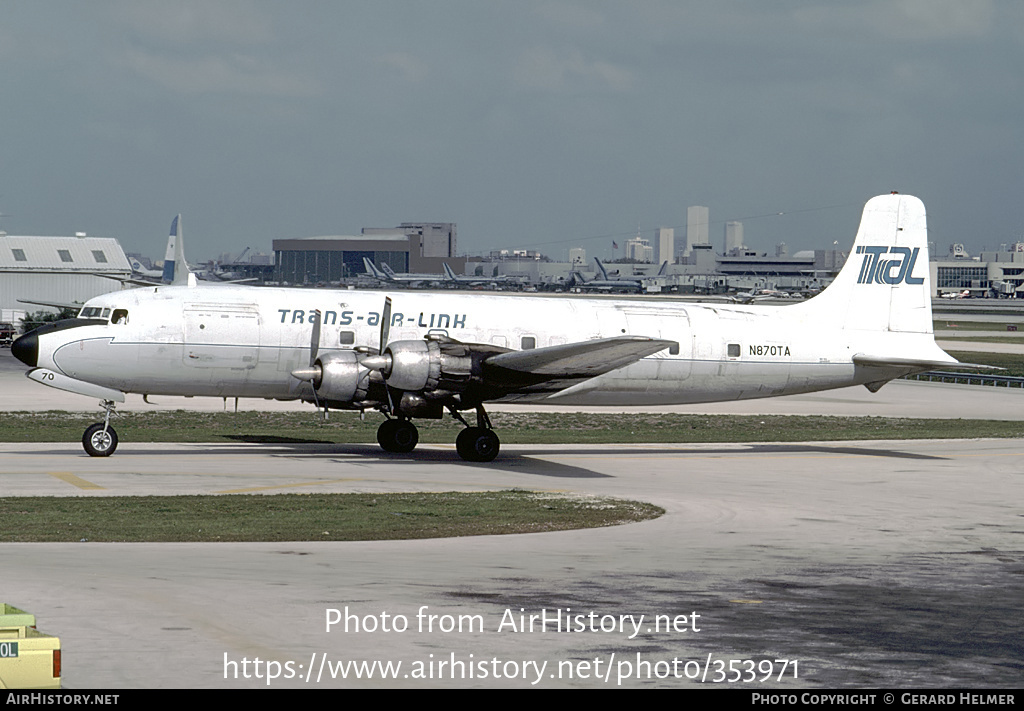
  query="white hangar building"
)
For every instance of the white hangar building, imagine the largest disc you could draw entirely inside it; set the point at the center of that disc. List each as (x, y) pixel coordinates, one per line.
(57, 270)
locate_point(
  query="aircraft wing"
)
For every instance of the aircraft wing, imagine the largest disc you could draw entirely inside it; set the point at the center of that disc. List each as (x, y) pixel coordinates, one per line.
(129, 280)
(575, 360)
(52, 304)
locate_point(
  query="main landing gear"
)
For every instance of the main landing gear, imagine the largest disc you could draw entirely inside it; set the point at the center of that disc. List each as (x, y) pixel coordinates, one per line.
(474, 444)
(397, 435)
(100, 439)
(477, 444)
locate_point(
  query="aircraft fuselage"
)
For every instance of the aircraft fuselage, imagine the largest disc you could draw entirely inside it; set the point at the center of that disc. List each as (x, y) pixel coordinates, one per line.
(458, 352)
(245, 341)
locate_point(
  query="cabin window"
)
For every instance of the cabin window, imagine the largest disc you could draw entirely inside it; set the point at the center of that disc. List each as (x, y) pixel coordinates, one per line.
(348, 338)
(734, 350)
(528, 343)
(673, 349)
(65, 255)
(104, 313)
(120, 316)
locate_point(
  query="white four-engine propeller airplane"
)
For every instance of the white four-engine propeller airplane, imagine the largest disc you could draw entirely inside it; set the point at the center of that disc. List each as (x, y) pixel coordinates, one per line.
(414, 354)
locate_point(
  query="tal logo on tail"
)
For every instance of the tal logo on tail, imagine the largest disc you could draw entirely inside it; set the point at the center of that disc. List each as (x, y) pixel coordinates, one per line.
(897, 269)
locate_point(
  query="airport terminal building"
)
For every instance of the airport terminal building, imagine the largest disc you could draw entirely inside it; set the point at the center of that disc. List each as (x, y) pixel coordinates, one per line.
(998, 274)
(411, 247)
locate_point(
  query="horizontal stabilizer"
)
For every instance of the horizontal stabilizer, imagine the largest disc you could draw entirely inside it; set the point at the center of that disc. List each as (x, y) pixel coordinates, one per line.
(586, 359)
(917, 364)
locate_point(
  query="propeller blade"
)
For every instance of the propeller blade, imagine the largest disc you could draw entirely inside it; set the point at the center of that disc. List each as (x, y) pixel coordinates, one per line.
(385, 324)
(377, 359)
(314, 343)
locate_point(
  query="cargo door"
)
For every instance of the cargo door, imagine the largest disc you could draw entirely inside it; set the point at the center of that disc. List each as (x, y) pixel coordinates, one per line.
(222, 336)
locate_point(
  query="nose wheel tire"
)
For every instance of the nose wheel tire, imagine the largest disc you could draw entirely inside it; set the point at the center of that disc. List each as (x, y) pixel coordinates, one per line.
(477, 444)
(99, 443)
(399, 436)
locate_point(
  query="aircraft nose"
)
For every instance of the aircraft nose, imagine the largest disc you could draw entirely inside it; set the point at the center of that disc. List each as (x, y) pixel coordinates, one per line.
(26, 349)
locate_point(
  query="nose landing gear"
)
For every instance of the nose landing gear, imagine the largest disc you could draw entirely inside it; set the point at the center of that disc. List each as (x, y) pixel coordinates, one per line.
(100, 439)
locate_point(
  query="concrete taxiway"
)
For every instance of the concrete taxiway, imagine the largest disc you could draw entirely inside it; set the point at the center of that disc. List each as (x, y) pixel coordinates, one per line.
(867, 564)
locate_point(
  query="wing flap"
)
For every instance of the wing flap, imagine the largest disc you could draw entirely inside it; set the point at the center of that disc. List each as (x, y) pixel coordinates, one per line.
(586, 359)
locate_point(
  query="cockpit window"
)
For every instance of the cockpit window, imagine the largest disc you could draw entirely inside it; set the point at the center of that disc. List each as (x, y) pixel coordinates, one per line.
(104, 313)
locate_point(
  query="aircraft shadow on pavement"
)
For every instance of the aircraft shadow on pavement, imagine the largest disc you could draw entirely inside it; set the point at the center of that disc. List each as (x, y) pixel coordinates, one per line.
(429, 454)
(529, 463)
(365, 454)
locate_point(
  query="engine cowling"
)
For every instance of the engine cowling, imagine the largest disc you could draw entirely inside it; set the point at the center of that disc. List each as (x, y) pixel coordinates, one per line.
(341, 377)
(428, 365)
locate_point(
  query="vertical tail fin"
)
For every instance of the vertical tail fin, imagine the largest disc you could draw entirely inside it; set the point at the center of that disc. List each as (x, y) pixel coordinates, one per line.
(371, 269)
(449, 274)
(885, 284)
(601, 269)
(176, 270)
(881, 298)
(172, 242)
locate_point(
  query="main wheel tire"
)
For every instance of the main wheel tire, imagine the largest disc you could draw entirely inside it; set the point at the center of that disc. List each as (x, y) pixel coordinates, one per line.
(399, 436)
(477, 444)
(464, 444)
(98, 443)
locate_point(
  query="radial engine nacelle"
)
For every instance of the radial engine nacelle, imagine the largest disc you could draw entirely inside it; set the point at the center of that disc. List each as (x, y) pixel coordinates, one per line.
(341, 377)
(427, 365)
(429, 369)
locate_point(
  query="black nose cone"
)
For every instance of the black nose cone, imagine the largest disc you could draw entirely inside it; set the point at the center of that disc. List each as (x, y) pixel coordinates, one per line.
(26, 349)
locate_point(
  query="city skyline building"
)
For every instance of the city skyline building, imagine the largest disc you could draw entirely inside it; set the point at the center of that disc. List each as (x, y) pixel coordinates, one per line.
(698, 219)
(733, 236)
(665, 238)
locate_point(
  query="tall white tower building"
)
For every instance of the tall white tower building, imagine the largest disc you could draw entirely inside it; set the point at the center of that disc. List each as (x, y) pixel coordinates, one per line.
(698, 219)
(733, 236)
(665, 238)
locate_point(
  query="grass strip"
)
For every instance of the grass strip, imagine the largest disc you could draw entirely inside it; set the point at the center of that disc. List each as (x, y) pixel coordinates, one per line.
(513, 427)
(307, 517)
(1013, 363)
(1014, 340)
(950, 324)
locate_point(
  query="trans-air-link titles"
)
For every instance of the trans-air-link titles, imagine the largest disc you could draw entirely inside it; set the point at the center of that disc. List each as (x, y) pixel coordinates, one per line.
(348, 318)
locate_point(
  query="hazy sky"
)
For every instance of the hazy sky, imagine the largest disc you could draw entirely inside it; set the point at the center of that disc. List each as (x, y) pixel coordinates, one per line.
(547, 124)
